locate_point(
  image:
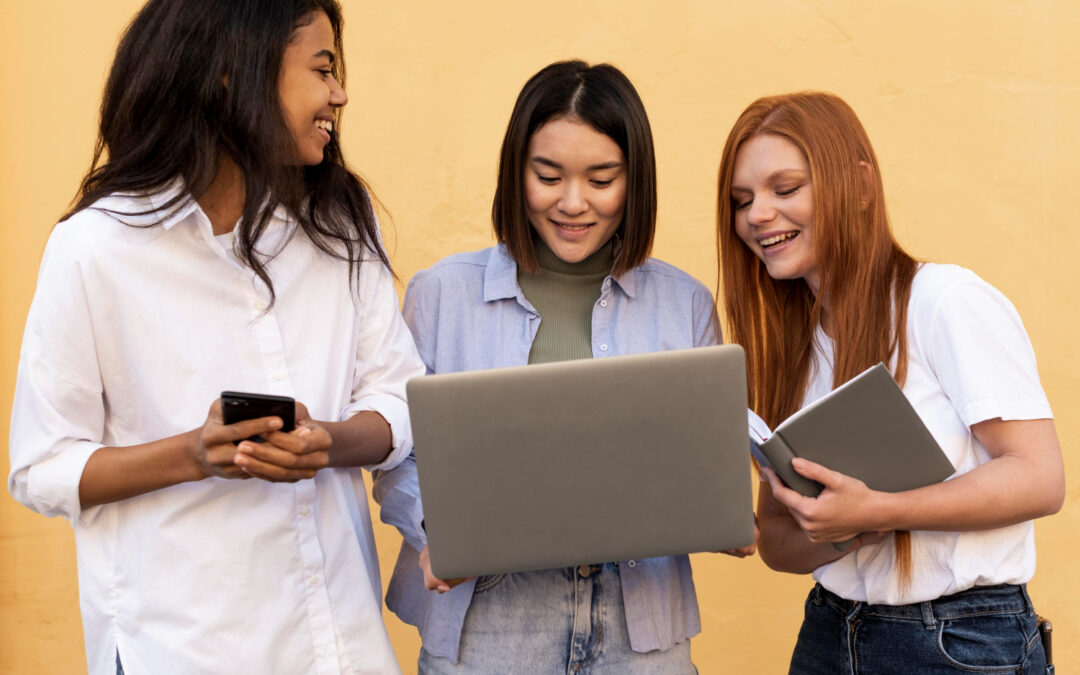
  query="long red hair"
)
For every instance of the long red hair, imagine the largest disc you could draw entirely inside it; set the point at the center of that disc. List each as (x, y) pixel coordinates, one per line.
(865, 275)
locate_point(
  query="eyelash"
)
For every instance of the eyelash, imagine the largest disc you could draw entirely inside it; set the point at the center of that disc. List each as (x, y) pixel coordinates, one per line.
(326, 73)
(782, 193)
(552, 180)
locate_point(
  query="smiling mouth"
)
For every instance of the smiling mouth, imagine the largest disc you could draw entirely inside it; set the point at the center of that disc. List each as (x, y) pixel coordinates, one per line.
(777, 239)
(325, 125)
(573, 227)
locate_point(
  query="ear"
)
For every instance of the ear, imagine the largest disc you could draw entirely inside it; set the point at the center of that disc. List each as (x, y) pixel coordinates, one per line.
(867, 183)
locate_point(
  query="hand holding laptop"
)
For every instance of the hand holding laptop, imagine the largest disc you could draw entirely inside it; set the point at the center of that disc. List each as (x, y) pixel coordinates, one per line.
(434, 583)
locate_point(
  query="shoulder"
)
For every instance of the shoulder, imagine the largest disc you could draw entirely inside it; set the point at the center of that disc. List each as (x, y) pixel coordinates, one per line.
(460, 267)
(666, 277)
(940, 287)
(80, 236)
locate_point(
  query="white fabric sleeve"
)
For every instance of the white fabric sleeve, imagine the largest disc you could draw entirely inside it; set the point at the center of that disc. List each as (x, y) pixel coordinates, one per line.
(386, 359)
(58, 412)
(977, 347)
(398, 491)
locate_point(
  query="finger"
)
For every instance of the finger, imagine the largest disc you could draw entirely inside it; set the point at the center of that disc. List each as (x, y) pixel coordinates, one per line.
(238, 431)
(271, 453)
(302, 414)
(815, 471)
(302, 440)
(272, 472)
(783, 494)
(215, 414)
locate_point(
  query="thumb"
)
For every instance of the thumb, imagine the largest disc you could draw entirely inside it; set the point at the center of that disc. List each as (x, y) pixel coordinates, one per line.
(815, 471)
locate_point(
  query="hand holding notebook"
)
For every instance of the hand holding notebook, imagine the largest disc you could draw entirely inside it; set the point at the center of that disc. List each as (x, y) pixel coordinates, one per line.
(865, 429)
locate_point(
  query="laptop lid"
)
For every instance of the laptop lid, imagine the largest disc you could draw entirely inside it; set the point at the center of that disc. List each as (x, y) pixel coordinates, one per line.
(580, 462)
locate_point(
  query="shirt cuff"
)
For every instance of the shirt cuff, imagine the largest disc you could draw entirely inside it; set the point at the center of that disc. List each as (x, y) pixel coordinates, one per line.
(396, 413)
(52, 485)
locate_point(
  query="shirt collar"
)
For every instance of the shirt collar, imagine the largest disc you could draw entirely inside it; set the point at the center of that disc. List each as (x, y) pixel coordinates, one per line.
(500, 277)
(147, 209)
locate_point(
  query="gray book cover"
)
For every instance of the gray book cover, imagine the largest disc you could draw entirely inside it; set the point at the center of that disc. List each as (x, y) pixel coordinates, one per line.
(865, 428)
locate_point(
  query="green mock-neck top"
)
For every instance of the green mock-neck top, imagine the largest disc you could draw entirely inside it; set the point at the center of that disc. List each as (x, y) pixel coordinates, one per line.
(564, 294)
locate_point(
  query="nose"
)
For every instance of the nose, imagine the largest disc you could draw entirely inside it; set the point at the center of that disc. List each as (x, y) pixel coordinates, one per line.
(760, 212)
(572, 199)
(338, 97)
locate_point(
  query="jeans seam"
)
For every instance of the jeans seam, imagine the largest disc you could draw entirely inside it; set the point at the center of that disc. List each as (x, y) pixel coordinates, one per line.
(1010, 668)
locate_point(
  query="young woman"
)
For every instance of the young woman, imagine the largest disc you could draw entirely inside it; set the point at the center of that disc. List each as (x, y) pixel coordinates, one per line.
(218, 242)
(574, 214)
(817, 290)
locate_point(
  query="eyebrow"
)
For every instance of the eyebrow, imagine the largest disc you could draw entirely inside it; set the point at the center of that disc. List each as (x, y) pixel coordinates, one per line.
(780, 173)
(594, 167)
(324, 52)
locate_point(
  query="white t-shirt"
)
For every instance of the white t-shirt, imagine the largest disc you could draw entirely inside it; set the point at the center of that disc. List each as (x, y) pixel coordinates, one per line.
(969, 360)
(133, 332)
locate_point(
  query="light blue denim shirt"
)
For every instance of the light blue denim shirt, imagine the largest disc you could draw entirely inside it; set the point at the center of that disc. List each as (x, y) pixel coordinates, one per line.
(468, 313)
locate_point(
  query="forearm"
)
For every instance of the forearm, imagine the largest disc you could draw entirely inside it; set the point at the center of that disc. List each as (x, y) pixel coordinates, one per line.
(1004, 491)
(362, 440)
(115, 473)
(785, 548)
(781, 542)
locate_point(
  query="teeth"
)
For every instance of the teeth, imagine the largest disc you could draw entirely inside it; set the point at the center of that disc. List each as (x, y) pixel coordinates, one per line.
(571, 226)
(773, 241)
(325, 125)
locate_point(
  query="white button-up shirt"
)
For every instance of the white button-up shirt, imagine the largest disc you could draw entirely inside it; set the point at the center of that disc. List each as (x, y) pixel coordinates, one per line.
(133, 332)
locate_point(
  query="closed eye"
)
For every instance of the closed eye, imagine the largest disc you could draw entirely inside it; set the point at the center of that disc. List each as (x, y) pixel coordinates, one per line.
(788, 192)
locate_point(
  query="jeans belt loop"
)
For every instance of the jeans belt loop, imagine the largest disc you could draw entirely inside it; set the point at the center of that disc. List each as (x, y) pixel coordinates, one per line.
(928, 614)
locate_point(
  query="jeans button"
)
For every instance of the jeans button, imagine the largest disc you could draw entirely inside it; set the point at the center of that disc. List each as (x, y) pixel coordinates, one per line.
(584, 571)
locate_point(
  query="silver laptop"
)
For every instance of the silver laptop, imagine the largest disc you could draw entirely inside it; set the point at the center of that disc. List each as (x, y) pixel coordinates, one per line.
(582, 462)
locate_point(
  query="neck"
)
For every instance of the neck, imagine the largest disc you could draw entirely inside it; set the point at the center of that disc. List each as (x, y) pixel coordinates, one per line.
(223, 201)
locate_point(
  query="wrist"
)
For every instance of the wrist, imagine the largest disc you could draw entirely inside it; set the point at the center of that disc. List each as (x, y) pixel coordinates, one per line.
(189, 468)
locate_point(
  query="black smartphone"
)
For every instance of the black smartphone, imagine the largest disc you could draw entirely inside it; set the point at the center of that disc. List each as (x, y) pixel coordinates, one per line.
(237, 406)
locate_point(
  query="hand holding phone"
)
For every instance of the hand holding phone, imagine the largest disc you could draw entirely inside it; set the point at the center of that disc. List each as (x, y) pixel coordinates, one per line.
(237, 406)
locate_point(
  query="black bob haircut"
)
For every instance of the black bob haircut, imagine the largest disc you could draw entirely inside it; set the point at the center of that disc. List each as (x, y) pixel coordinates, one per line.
(602, 97)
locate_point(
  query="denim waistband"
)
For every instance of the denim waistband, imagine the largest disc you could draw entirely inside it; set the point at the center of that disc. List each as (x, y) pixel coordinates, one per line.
(976, 601)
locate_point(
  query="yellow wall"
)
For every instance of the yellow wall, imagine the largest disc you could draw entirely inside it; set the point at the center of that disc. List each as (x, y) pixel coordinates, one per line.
(973, 107)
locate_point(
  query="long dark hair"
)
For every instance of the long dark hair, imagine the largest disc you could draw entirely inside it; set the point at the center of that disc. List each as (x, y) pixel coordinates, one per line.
(602, 97)
(195, 80)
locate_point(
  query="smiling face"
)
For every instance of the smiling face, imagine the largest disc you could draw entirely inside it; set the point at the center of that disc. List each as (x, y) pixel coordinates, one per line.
(575, 187)
(309, 93)
(773, 200)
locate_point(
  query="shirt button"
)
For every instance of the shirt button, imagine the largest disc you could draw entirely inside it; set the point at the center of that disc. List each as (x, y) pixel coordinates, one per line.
(305, 512)
(603, 348)
(603, 303)
(258, 305)
(278, 377)
(314, 581)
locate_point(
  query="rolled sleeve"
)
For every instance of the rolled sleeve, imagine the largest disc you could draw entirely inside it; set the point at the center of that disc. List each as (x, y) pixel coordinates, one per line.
(386, 359)
(58, 411)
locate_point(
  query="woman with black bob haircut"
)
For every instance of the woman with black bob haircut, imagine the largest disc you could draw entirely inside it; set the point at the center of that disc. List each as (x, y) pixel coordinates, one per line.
(218, 242)
(574, 214)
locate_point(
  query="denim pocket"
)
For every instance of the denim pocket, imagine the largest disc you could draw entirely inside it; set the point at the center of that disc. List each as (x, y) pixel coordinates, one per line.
(989, 643)
(488, 582)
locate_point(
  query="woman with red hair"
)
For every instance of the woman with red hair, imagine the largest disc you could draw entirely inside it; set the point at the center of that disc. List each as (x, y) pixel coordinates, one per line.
(817, 290)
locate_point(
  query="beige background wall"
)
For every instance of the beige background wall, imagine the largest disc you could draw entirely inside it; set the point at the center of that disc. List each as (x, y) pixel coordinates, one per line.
(973, 107)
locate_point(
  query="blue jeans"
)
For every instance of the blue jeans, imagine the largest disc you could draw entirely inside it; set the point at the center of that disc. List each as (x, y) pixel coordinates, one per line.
(543, 622)
(987, 629)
